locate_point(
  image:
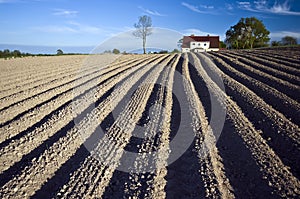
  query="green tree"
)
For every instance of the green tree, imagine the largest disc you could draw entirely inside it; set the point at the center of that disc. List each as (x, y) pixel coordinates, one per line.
(6, 53)
(107, 51)
(175, 51)
(289, 41)
(116, 51)
(163, 52)
(59, 52)
(247, 33)
(222, 44)
(179, 43)
(16, 53)
(143, 29)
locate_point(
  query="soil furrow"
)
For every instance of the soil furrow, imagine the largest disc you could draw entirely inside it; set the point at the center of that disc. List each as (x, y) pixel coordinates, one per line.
(292, 78)
(35, 71)
(211, 167)
(270, 62)
(279, 132)
(40, 87)
(278, 175)
(159, 182)
(28, 118)
(56, 121)
(287, 58)
(109, 148)
(183, 179)
(282, 103)
(142, 175)
(15, 110)
(34, 176)
(285, 87)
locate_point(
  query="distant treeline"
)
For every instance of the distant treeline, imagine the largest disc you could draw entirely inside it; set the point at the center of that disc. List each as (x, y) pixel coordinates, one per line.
(16, 53)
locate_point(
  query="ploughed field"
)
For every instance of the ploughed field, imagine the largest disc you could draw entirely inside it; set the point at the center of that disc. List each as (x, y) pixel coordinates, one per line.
(218, 125)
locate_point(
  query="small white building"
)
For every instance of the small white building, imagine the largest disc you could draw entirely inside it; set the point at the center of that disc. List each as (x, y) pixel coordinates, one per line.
(200, 43)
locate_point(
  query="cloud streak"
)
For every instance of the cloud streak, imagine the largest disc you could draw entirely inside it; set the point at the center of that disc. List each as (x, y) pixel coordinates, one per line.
(65, 13)
(262, 6)
(197, 9)
(151, 12)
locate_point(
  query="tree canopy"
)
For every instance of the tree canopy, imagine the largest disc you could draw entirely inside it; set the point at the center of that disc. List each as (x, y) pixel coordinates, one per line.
(247, 33)
(289, 41)
(59, 52)
(116, 51)
(6, 53)
(143, 29)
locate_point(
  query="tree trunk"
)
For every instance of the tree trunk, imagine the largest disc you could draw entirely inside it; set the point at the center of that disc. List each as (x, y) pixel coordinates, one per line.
(144, 44)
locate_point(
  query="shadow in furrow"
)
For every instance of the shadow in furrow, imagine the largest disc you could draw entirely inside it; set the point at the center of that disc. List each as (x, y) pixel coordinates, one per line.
(283, 146)
(62, 175)
(242, 171)
(291, 92)
(270, 65)
(183, 176)
(54, 112)
(277, 103)
(270, 72)
(240, 167)
(202, 91)
(50, 89)
(116, 187)
(17, 168)
(53, 98)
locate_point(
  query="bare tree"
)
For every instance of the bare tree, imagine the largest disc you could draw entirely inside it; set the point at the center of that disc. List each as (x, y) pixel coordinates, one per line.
(143, 29)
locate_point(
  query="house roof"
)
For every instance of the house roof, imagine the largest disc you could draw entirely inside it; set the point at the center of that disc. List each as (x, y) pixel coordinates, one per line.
(214, 40)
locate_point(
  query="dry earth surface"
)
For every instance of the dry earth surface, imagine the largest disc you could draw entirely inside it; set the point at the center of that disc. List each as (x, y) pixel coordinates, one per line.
(218, 125)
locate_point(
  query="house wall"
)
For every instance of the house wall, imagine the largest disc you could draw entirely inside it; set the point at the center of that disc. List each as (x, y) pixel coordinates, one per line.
(204, 45)
(199, 47)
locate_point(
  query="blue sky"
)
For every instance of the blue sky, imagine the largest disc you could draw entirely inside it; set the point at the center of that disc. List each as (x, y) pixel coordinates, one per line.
(91, 22)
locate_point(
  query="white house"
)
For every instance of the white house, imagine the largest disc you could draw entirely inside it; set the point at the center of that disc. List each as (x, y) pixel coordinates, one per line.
(200, 43)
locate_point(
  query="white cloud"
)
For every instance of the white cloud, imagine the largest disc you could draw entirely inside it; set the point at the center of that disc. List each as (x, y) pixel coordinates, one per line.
(196, 8)
(229, 6)
(207, 7)
(245, 5)
(64, 12)
(260, 4)
(151, 12)
(263, 7)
